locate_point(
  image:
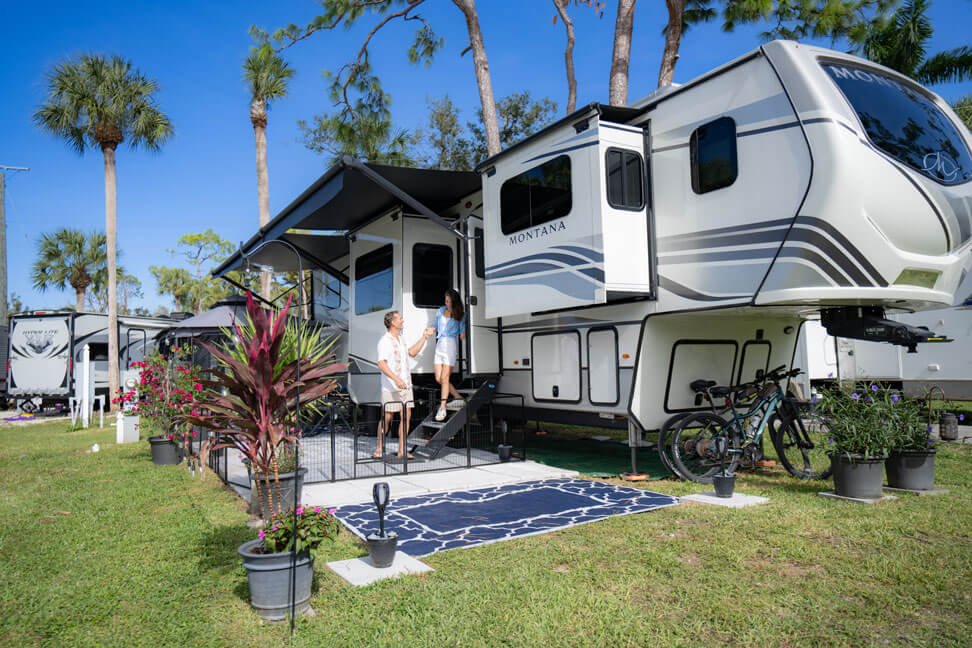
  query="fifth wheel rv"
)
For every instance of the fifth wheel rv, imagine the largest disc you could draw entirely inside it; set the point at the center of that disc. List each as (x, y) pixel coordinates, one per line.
(622, 252)
(46, 352)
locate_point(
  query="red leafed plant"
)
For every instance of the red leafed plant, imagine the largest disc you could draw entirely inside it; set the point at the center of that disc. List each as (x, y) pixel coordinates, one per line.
(251, 405)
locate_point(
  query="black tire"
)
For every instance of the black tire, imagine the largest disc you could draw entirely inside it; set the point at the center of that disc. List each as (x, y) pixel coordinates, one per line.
(695, 453)
(801, 446)
(665, 443)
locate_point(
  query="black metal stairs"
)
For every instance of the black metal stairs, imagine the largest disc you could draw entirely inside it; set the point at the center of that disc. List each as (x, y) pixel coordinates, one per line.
(473, 400)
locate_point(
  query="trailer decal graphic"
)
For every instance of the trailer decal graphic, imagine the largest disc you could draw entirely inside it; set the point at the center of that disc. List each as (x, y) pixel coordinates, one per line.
(537, 232)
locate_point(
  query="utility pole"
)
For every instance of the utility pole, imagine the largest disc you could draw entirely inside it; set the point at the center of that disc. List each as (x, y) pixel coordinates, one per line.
(3, 240)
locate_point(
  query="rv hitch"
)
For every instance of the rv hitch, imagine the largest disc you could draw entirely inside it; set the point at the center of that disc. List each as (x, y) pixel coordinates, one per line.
(868, 323)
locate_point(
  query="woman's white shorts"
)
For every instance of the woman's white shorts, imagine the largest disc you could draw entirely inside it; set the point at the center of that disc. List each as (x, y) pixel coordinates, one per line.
(446, 350)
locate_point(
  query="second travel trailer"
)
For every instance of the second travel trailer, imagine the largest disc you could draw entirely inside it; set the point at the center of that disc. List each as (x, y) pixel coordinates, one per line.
(46, 353)
(622, 252)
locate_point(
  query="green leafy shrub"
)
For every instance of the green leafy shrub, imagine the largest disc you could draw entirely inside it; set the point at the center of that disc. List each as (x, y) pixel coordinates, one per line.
(860, 419)
(314, 526)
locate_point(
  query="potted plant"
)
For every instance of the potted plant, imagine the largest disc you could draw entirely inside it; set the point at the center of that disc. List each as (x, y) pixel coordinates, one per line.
(860, 423)
(166, 391)
(911, 462)
(269, 560)
(251, 405)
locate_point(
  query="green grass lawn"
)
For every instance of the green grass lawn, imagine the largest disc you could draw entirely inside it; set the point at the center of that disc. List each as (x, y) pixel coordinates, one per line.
(105, 549)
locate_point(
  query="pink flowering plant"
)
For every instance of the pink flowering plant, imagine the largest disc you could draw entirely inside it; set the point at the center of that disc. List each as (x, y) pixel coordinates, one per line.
(168, 389)
(314, 526)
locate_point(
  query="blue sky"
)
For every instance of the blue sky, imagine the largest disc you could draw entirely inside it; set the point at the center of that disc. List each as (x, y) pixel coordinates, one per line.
(205, 176)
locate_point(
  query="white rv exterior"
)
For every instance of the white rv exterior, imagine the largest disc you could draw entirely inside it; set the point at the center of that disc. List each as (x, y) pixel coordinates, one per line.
(620, 253)
(46, 351)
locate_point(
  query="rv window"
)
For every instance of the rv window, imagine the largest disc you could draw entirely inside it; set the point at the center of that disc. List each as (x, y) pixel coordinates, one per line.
(905, 123)
(480, 253)
(625, 179)
(374, 281)
(97, 352)
(713, 155)
(537, 196)
(431, 274)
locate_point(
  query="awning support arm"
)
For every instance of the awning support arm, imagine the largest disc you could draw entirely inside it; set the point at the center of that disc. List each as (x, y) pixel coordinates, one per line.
(394, 190)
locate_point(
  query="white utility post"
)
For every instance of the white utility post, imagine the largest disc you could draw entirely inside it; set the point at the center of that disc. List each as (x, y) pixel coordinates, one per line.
(86, 386)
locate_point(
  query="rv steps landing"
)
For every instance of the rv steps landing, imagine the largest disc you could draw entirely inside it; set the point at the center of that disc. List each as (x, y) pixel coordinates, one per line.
(454, 423)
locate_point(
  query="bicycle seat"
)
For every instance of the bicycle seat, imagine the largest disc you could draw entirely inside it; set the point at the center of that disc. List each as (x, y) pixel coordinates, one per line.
(701, 385)
(725, 391)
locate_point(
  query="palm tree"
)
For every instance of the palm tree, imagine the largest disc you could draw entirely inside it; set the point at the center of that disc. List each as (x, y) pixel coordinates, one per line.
(94, 101)
(70, 258)
(266, 75)
(898, 42)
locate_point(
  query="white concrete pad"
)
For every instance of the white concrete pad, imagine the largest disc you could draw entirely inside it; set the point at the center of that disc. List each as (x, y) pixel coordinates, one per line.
(359, 571)
(912, 491)
(738, 500)
(857, 500)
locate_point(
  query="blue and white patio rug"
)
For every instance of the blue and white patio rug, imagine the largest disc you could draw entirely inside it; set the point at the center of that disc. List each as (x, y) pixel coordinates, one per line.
(427, 524)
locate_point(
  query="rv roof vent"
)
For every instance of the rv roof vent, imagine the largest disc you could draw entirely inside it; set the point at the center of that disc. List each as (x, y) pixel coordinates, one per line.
(180, 315)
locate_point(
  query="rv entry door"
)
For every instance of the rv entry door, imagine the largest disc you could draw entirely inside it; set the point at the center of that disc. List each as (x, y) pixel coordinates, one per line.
(429, 267)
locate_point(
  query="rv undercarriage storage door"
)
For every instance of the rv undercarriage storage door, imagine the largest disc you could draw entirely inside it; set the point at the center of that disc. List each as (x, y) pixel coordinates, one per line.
(556, 367)
(483, 339)
(602, 366)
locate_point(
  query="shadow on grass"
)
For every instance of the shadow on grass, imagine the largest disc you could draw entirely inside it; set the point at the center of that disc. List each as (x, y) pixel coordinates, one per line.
(218, 549)
(785, 481)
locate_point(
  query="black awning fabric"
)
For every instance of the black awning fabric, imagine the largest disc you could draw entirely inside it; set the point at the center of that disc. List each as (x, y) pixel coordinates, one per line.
(347, 196)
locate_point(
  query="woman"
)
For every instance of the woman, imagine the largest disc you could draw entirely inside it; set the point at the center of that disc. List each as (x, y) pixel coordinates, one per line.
(450, 326)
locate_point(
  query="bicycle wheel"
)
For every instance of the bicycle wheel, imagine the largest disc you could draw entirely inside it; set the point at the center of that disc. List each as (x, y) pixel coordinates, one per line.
(801, 446)
(695, 447)
(665, 444)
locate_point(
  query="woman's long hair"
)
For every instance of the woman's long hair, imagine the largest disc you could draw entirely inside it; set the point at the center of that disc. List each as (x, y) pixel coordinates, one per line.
(457, 310)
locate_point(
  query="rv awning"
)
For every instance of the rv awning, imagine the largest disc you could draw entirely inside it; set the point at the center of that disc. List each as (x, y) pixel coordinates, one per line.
(348, 195)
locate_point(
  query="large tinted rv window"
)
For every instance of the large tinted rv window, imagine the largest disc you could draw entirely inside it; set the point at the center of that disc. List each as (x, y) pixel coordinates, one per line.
(431, 274)
(373, 281)
(625, 179)
(904, 122)
(713, 155)
(536, 196)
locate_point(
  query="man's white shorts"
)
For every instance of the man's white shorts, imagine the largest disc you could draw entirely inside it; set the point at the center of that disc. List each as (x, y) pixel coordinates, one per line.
(446, 351)
(392, 400)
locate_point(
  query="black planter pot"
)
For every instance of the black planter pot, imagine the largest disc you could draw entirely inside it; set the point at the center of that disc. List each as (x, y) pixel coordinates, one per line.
(911, 469)
(164, 451)
(857, 477)
(269, 578)
(724, 484)
(505, 451)
(382, 549)
(288, 482)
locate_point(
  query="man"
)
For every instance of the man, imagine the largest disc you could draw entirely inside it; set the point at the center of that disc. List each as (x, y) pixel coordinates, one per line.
(396, 379)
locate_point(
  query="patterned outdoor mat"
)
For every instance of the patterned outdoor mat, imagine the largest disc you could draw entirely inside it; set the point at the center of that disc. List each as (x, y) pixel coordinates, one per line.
(427, 524)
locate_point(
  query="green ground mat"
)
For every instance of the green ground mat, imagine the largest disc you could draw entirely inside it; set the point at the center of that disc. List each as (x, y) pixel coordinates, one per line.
(594, 458)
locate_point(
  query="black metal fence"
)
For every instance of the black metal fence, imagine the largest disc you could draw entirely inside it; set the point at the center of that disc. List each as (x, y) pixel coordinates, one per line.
(340, 443)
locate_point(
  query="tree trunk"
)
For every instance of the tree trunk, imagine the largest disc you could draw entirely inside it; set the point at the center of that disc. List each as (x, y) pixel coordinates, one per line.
(673, 38)
(490, 123)
(111, 234)
(618, 88)
(79, 299)
(263, 178)
(568, 55)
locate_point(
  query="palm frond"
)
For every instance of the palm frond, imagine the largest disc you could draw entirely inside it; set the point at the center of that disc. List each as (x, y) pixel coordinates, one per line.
(947, 67)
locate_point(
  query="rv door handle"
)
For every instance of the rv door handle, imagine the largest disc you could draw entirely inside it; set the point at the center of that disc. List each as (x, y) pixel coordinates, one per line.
(472, 300)
(556, 391)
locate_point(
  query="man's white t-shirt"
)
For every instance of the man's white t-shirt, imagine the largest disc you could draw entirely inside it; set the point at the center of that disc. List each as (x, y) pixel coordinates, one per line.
(395, 353)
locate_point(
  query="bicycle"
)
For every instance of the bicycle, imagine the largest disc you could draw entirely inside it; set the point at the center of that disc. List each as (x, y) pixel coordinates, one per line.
(700, 387)
(698, 438)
